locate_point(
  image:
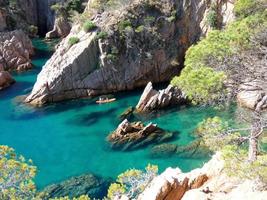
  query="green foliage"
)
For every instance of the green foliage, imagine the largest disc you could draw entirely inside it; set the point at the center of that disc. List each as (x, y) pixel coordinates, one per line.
(16, 175)
(75, 5)
(112, 57)
(116, 189)
(55, 7)
(89, 26)
(102, 35)
(237, 164)
(140, 29)
(201, 85)
(210, 53)
(149, 19)
(123, 24)
(33, 30)
(132, 182)
(244, 8)
(215, 135)
(212, 18)
(73, 40)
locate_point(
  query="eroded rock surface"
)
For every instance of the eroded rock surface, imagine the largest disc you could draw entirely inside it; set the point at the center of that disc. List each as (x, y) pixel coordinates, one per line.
(61, 28)
(253, 95)
(15, 51)
(208, 182)
(144, 41)
(129, 136)
(152, 99)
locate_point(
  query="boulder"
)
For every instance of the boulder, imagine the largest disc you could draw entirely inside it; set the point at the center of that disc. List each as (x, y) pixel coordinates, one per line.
(5, 79)
(61, 28)
(15, 50)
(88, 184)
(253, 95)
(130, 136)
(152, 99)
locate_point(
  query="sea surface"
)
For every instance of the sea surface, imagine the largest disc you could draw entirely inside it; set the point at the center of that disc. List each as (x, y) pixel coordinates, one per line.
(69, 138)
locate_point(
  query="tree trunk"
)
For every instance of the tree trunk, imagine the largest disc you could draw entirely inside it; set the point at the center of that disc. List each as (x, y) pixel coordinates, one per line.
(255, 133)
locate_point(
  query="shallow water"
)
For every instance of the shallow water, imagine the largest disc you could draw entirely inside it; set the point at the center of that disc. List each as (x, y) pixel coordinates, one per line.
(68, 138)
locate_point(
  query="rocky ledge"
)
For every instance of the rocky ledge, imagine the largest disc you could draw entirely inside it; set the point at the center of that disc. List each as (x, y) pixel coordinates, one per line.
(253, 95)
(152, 99)
(208, 182)
(131, 45)
(130, 136)
(15, 51)
(88, 184)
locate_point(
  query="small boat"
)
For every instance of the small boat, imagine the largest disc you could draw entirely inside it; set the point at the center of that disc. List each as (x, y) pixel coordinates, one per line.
(105, 101)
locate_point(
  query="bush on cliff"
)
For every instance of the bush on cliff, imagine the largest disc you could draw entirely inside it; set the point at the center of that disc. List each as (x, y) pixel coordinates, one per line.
(132, 182)
(89, 26)
(73, 40)
(16, 175)
(210, 59)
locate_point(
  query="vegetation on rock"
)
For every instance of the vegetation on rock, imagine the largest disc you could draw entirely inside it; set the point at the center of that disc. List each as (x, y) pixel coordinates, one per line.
(132, 182)
(73, 40)
(16, 175)
(89, 26)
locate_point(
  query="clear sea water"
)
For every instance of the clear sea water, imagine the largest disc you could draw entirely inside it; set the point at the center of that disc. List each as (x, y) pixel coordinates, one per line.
(69, 138)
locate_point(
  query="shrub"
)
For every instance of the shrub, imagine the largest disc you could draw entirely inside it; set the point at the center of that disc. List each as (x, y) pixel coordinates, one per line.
(33, 30)
(140, 29)
(102, 35)
(112, 57)
(73, 40)
(132, 182)
(244, 8)
(89, 26)
(75, 5)
(123, 24)
(201, 85)
(212, 18)
(17, 175)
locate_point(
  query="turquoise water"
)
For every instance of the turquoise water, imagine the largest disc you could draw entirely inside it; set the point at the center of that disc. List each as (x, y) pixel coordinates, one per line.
(69, 138)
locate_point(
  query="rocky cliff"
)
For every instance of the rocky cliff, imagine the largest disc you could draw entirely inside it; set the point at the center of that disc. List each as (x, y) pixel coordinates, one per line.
(136, 43)
(208, 182)
(15, 51)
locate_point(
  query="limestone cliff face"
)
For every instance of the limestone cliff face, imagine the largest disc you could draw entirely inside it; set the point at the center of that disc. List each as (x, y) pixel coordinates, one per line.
(15, 51)
(150, 47)
(208, 182)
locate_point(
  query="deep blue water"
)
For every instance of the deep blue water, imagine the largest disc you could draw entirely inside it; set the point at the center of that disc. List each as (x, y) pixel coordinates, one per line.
(69, 138)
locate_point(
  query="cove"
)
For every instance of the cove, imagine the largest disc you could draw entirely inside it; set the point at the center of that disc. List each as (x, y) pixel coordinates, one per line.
(69, 138)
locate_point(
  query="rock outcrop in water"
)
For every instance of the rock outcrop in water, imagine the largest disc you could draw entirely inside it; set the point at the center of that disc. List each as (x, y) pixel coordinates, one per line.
(15, 51)
(208, 182)
(88, 184)
(152, 99)
(139, 42)
(130, 136)
(5, 79)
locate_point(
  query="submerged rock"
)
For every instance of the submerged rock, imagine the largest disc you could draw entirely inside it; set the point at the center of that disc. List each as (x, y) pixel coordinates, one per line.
(15, 51)
(88, 184)
(127, 114)
(195, 149)
(129, 136)
(152, 99)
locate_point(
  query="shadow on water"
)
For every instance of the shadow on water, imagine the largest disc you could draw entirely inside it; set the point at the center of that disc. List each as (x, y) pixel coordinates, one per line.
(12, 91)
(91, 118)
